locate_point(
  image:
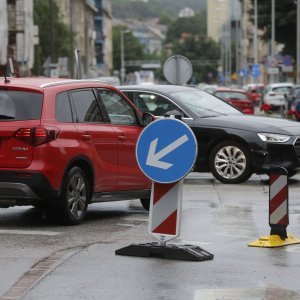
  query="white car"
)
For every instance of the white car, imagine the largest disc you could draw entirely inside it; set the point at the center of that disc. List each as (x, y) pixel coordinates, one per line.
(277, 94)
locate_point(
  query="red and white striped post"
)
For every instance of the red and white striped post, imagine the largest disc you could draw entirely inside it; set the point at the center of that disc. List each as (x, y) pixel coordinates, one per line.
(165, 208)
(278, 211)
(278, 202)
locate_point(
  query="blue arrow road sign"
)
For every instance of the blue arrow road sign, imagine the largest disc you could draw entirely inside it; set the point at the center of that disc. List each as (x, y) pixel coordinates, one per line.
(166, 150)
(255, 70)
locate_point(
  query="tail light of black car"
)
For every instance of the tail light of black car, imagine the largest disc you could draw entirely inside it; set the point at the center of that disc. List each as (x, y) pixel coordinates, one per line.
(37, 135)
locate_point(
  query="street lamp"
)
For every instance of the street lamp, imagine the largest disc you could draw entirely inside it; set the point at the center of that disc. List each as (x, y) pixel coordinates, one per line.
(122, 71)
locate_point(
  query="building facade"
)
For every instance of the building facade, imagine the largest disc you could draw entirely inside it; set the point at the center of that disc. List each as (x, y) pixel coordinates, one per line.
(229, 23)
(103, 41)
(17, 36)
(79, 16)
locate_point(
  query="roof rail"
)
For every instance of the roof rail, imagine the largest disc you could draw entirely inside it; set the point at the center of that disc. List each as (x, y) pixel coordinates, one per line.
(69, 81)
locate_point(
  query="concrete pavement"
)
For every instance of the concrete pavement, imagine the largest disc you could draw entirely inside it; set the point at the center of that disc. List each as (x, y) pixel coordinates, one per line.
(222, 219)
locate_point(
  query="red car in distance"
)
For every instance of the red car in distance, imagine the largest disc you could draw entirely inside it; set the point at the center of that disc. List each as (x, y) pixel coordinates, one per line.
(236, 97)
(255, 93)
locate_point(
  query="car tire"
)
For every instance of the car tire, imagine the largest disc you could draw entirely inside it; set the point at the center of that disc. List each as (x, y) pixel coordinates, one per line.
(75, 196)
(145, 203)
(230, 162)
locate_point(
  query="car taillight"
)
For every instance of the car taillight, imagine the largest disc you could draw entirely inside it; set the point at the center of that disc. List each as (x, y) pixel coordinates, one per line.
(37, 135)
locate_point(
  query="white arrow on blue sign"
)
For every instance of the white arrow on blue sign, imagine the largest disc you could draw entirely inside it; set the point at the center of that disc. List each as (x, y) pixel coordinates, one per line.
(255, 70)
(166, 150)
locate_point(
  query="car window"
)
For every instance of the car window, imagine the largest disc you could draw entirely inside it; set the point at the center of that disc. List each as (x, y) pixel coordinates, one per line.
(17, 106)
(119, 110)
(63, 111)
(86, 106)
(297, 93)
(153, 103)
(282, 89)
(204, 104)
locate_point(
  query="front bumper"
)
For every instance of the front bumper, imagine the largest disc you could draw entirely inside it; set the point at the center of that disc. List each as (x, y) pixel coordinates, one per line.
(278, 155)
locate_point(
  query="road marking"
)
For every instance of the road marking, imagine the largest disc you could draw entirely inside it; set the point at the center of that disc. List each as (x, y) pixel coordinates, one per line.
(253, 293)
(28, 232)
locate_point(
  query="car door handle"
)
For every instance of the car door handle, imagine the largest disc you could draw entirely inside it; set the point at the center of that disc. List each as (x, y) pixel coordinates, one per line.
(86, 137)
(122, 138)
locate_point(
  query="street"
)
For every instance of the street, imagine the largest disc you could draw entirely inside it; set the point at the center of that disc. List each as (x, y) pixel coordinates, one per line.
(79, 262)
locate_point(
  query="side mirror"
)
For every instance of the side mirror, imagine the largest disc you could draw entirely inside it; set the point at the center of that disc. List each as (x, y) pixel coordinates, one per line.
(147, 118)
(174, 114)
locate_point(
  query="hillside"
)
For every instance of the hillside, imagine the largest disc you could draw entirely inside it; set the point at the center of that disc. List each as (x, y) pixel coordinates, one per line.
(153, 8)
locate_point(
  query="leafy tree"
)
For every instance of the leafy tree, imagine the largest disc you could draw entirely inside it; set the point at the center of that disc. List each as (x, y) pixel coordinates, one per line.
(55, 37)
(165, 19)
(187, 37)
(193, 25)
(153, 8)
(203, 49)
(285, 22)
(133, 50)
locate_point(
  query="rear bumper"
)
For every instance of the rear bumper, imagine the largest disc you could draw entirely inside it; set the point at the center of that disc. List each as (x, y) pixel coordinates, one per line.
(21, 188)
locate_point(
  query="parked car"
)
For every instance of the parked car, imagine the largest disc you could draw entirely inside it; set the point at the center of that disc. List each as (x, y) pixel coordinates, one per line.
(255, 92)
(236, 97)
(295, 103)
(210, 88)
(231, 145)
(277, 95)
(67, 143)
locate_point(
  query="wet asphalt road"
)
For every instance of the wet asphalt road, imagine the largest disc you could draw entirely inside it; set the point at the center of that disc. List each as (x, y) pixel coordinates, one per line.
(41, 260)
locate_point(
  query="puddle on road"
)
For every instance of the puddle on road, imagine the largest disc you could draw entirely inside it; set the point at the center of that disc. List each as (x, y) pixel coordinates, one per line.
(235, 221)
(268, 293)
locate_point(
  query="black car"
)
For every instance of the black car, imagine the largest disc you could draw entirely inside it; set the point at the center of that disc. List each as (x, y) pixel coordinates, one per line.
(232, 145)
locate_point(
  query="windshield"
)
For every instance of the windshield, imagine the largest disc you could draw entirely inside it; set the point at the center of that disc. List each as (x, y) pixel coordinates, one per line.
(282, 89)
(19, 105)
(204, 104)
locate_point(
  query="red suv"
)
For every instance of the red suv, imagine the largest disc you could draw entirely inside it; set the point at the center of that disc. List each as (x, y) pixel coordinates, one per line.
(68, 143)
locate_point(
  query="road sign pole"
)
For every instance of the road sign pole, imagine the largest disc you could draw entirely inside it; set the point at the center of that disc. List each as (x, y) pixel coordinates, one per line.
(165, 211)
(166, 151)
(278, 212)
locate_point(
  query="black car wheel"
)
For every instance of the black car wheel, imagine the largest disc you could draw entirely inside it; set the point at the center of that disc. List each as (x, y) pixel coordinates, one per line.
(146, 203)
(230, 162)
(75, 196)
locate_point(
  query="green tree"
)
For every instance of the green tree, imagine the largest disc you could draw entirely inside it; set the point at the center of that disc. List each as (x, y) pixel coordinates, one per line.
(193, 25)
(165, 19)
(187, 37)
(202, 50)
(133, 49)
(55, 39)
(285, 22)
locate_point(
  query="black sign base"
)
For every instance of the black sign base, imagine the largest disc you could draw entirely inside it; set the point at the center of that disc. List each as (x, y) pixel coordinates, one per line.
(170, 251)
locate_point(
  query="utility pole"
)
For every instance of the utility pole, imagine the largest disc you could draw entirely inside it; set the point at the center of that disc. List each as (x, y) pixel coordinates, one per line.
(298, 41)
(122, 71)
(255, 38)
(244, 61)
(51, 23)
(272, 36)
(229, 40)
